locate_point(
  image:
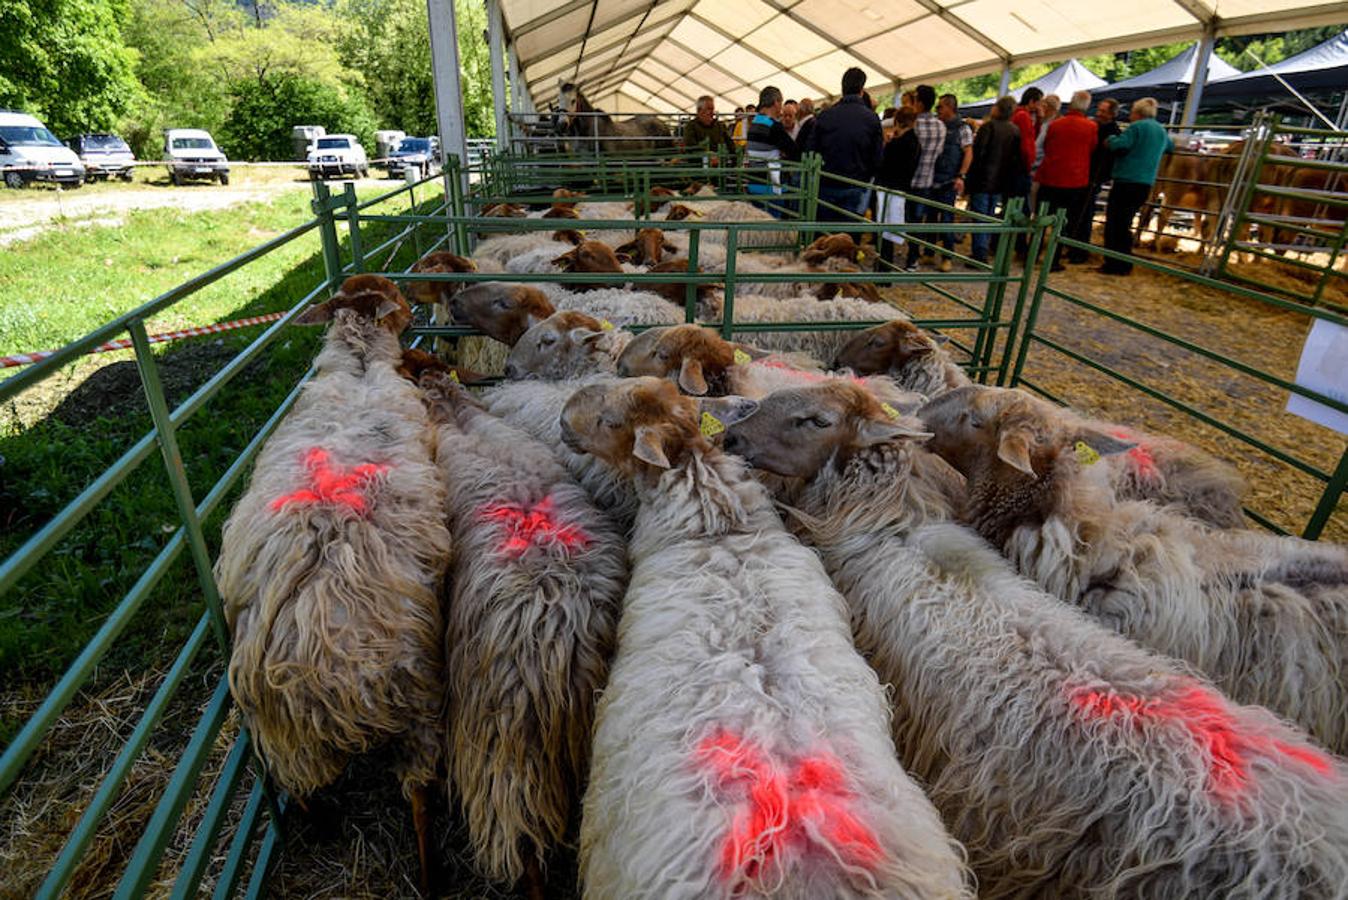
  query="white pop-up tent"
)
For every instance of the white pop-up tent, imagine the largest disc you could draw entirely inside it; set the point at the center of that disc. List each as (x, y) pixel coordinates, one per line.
(1064, 81)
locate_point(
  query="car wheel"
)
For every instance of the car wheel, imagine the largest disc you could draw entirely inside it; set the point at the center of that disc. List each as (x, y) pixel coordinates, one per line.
(127, 176)
(14, 180)
(224, 178)
(176, 178)
(75, 185)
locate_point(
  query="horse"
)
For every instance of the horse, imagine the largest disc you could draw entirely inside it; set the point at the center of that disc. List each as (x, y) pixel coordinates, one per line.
(596, 131)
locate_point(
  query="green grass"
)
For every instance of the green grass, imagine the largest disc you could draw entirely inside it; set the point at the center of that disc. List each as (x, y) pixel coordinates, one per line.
(74, 281)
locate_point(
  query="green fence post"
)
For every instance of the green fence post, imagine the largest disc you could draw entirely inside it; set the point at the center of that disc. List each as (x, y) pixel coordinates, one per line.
(992, 301)
(1056, 223)
(690, 290)
(327, 233)
(353, 226)
(456, 206)
(1328, 272)
(1329, 500)
(1248, 190)
(728, 307)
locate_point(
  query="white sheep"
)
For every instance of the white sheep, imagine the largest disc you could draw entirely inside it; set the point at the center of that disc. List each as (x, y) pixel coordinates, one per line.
(741, 746)
(1069, 760)
(752, 308)
(330, 565)
(1264, 617)
(567, 344)
(531, 623)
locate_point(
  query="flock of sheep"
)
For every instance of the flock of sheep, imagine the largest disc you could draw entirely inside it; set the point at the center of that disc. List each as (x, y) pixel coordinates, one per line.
(809, 617)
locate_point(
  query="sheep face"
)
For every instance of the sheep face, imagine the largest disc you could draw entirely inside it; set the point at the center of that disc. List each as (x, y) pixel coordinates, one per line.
(886, 348)
(440, 261)
(691, 355)
(796, 433)
(499, 310)
(838, 246)
(588, 256)
(369, 295)
(416, 363)
(678, 212)
(648, 248)
(555, 348)
(1008, 435)
(640, 424)
(569, 236)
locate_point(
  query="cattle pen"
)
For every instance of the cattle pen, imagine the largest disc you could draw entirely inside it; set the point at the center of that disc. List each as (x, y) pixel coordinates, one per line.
(1002, 318)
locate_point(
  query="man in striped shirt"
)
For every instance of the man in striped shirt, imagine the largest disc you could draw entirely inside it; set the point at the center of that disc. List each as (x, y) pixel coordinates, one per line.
(767, 143)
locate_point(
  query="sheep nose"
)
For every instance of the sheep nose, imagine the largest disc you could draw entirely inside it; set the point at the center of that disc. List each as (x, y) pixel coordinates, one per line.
(512, 371)
(732, 443)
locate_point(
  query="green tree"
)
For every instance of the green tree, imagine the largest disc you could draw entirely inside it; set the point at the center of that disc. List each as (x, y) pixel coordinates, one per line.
(263, 111)
(64, 62)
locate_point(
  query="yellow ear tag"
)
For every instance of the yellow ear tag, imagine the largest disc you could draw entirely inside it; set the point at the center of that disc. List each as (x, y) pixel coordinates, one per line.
(742, 358)
(889, 410)
(605, 325)
(861, 256)
(1086, 455)
(454, 376)
(711, 426)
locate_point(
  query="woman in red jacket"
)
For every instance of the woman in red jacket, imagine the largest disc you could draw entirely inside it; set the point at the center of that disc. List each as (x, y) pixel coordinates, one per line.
(1065, 174)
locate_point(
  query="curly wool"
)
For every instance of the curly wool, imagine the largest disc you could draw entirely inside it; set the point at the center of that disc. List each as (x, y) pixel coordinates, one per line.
(621, 306)
(731, 627)
(823, 346)
(535, 407)
(334, 612)
(499, 249)
(1018, 711)
(528, 636)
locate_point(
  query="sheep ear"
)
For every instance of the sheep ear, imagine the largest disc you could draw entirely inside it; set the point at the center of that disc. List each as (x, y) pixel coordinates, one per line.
(625, 248)
(1104, 444)
(728, 410)
(667, 247)
(939, 338)
(691, 378)
(647, 447)
(1013, 448)
(386, 308)
(315, 315)
(584, 336)
(566, 261)
(875, 431)
(623, 257)
(753, 352)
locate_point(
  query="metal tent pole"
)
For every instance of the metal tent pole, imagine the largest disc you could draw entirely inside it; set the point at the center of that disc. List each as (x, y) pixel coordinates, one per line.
(1200, 77)
(448, 94)
(498, 86)
(1004, 84)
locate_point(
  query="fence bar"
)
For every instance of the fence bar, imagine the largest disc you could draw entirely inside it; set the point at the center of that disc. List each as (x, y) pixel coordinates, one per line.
(1329, 500)
(238, 847)
(199, 856)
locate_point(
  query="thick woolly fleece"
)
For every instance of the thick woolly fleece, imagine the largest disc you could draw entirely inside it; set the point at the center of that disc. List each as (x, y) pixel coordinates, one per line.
(1068, 759)
(329, 570)
(822, 346)
(741, 747)
(536, 585)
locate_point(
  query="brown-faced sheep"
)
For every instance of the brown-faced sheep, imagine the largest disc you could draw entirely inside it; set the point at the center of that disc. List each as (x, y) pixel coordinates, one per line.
(1068, 759)
(1265, 617)
(914, 358)
(531, 624)
(568, 344)
(740, 748)
(505, 311)
(647, 248)
(330, 565)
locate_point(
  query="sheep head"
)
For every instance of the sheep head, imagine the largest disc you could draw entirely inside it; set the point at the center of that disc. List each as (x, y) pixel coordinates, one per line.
(648, 247)
(439, 261)
(694, 357)
(561, 212)
(838, 246)
(829, 289)
(671, 291)
(418, 364)
(563, 199)
(569, 236)
(887, 348)
(499, 310)
(369, 295)
(588, 256)
(643, 424)
(565, 344)
(797, 432)
(679, 211)
(505, 211)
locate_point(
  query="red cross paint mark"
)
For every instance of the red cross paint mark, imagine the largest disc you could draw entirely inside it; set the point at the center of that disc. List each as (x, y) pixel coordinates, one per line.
(331, 485)
(804, 375)
(786, 808)
(535, 526)
(1205, 717)
(1141, 458)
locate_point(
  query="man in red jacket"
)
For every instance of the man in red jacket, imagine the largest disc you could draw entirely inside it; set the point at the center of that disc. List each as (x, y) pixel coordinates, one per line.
(1026, 119)
(1065, 174)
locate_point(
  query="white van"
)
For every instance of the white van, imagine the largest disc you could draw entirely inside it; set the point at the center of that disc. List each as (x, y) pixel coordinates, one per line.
(191, 153)
(29, 152)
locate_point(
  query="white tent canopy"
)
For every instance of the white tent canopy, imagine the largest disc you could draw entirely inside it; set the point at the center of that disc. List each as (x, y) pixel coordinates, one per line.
(1063, 81)
(638, 55)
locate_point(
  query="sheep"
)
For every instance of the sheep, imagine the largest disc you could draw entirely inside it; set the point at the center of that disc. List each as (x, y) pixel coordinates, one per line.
(568, 344)
(1158, 468)
(648, 247)
(330, 565)
(1069, 760)
(838, 246)
(492, 254)
(506, 311)
(822, 345)
(740, 748)
(473, 352)
(1264, 617)
(531, 625)
(732, 211)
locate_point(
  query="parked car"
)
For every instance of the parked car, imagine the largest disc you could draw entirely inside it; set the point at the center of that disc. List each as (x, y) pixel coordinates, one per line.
(29, 152)
(190, 153)
(337, 154)
(421, 154)
(104, 156)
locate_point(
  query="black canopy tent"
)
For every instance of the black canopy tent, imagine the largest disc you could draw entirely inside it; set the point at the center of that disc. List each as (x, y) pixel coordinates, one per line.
(1321, 69)
(1169, 82)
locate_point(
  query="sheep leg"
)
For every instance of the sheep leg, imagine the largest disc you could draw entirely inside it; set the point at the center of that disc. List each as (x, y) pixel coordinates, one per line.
(533, 878)
(421, 821)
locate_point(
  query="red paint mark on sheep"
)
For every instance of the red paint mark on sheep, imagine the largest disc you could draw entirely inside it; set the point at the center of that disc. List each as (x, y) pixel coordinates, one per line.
(787, 808)
(804, 375)
(1205, 717)
(535, 526)
(331, 485)
(1140, 457)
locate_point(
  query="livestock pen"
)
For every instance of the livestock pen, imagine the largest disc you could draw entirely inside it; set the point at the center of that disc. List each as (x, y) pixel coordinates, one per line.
(210, 821)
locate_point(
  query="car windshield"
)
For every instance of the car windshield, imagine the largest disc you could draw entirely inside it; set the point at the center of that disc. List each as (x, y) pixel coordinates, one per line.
(105, 142)
(28, 136)
(414, 145)
(186, 143)
(333, 143)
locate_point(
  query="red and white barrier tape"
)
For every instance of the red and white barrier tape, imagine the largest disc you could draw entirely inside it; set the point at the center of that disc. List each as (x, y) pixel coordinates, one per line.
(24, 359)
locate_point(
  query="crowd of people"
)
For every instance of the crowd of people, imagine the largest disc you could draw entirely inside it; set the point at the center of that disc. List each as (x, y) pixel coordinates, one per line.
(913, 164)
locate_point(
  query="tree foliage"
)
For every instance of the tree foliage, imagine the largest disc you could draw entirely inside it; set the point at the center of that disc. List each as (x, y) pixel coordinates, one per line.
(264, 110)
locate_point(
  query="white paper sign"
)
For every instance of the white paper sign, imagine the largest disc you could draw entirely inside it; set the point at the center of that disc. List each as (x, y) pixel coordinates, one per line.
(1324, 369)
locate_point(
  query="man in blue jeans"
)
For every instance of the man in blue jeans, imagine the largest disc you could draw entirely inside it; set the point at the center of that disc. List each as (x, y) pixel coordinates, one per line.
(997, 170)
(848, 137)
(947, 151)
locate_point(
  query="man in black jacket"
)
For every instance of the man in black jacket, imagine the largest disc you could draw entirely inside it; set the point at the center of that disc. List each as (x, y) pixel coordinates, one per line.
(997, 170)
(1102, 171)
(848, 137)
